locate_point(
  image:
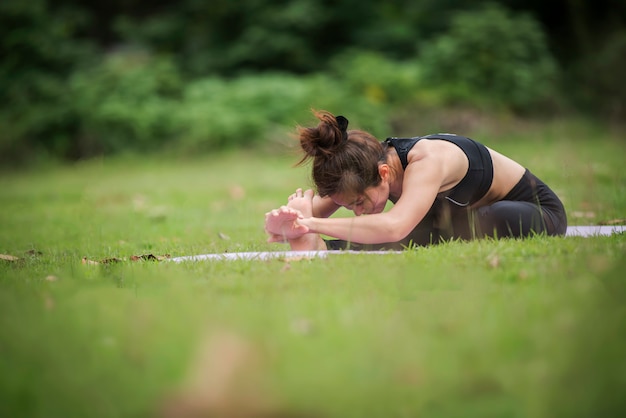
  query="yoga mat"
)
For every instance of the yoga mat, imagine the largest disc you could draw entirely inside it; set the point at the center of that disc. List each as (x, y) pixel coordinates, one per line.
(572, 231)
(269, 255)
(593, 230)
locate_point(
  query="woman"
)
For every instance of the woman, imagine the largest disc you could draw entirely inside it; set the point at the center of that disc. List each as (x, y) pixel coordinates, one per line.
(443, 187)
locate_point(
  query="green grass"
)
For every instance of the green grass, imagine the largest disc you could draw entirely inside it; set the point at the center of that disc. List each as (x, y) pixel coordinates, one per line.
(507, 328)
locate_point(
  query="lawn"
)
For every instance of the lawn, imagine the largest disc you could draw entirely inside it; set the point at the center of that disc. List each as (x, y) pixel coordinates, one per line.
(508, 328)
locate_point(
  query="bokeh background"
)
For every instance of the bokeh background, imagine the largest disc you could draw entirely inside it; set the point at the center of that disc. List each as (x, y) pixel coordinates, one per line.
(80, 78)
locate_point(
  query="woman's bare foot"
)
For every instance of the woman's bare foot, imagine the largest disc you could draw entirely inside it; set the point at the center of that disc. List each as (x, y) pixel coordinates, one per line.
(302, 201)
(282, 224)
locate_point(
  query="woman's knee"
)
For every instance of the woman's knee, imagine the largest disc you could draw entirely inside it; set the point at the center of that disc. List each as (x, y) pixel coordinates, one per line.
(511, 219)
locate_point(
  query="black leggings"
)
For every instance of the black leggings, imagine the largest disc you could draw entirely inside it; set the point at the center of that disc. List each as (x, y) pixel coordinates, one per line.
(530, 208)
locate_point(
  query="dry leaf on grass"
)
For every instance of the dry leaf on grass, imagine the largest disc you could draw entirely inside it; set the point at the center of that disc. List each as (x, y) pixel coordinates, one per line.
(582, 214)
(494, 260)
(151, 257)
(7, 257)
(302, 326)
(111, 260)
(613, 222)
(237, 192)
(29, 253)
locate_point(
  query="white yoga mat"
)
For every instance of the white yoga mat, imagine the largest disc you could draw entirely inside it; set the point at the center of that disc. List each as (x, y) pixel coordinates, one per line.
(269, 255)
(592, 230)
(572, 231)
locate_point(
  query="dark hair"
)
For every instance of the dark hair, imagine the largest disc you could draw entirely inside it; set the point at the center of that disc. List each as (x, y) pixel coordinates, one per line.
(343, 161)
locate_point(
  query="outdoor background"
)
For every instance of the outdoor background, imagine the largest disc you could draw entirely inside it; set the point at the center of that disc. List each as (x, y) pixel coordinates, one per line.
(136, 131)
(81, 78)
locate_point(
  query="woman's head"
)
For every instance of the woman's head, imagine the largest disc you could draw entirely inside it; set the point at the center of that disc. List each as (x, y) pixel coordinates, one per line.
(344, 162)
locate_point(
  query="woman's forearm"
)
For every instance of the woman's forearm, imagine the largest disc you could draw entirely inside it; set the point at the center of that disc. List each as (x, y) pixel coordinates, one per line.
(369, 229)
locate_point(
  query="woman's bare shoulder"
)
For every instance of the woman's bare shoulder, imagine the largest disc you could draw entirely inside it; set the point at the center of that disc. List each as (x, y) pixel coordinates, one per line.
(447, 161)
(421, 150)
(435, 149)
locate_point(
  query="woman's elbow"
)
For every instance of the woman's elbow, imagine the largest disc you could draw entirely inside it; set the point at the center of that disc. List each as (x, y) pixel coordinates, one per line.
(397, 231)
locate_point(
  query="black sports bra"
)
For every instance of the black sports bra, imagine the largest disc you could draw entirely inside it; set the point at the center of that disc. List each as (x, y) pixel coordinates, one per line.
(478, 178)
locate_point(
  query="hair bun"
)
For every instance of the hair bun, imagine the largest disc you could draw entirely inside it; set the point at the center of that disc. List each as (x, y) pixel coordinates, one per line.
(329, 135)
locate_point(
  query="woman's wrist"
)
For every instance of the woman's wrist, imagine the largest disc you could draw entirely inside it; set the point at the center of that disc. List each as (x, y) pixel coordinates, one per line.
(309, 223)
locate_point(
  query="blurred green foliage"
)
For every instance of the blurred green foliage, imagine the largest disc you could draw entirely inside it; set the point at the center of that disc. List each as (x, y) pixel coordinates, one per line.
(79, 79)
(127, 101)
(493, 55)
(39, 50)
(134, 101)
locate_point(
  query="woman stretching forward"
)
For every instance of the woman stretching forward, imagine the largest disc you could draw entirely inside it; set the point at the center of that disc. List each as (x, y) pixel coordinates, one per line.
(443, 187)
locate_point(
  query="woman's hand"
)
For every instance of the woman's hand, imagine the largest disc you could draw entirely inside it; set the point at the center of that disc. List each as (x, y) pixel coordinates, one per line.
(282, 224)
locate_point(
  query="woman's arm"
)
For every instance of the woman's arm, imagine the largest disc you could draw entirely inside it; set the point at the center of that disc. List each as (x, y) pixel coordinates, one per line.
(421, 182)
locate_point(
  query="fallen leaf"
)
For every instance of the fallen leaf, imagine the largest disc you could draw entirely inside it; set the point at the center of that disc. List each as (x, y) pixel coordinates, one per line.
(581, 214)
(494, 260)
(302, 326)
(51, 278)
(85, 260)
(111, 260)
(237, 192)
(7, 257)
(139, 203)
(223, 236)
(149, 257)
(613, 222)
(157, 214)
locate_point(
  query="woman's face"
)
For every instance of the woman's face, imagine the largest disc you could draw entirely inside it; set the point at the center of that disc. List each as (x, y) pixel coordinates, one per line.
(373, 200)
